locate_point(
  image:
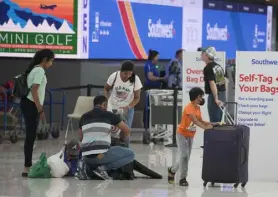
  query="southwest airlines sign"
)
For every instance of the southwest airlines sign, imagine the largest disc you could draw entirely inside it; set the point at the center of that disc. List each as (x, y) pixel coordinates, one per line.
(113, 22)
(230, 27)
(217, 33)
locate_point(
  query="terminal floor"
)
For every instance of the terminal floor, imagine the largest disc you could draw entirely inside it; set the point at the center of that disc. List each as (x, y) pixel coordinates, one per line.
(157, 158)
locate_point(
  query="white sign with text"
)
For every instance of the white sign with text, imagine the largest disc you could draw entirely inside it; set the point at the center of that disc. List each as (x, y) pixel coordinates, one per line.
(192, 24)
(256, 91)
(193, 77)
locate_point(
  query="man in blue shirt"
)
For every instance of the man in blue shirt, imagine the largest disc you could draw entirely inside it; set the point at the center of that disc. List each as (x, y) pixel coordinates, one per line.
(173, 69)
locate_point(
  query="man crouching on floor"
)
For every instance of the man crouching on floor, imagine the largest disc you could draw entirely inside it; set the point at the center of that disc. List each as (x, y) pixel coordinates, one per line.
(97, 154)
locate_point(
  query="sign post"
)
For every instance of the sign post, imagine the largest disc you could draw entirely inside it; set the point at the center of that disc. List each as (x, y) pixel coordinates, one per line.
(256, 92)
(193, 77)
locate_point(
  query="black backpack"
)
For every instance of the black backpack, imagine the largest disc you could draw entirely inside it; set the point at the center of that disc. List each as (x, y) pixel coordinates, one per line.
(20, 86)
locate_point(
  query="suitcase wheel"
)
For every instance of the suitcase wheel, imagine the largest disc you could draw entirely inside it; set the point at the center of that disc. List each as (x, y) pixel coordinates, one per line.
(40, 136)
(45, 135)
(155, 141)
(205, 184)
(13, 138)
(243, 184)
(55, 132)
(236, 185)
(146, 137)
(1, 138)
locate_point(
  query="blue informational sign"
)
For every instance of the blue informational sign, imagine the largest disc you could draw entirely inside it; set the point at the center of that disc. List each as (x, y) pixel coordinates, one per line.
(230, 27)
(125, 30)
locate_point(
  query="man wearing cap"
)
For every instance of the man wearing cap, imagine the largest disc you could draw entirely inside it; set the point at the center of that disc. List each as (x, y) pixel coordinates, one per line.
(174, 70)
(215, 84)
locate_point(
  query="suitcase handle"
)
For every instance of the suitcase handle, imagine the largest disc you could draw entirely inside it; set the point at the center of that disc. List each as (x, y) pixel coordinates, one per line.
(245, 155)
(229, 118)
(232, 121)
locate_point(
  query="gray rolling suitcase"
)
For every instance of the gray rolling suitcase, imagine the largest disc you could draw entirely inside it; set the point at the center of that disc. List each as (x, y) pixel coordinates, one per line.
(226, 150)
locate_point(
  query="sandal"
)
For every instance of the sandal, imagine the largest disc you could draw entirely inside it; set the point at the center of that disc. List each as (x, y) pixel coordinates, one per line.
(171, 176)
(24, 174)
(183, 182)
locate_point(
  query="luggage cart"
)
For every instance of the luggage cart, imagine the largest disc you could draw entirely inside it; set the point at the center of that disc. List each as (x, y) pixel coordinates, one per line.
(56, 128)
(161, 114)
(11, 120)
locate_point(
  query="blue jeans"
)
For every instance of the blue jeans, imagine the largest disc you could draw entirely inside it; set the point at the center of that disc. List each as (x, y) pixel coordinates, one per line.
(215, 113)
(113, 159)
(130, 115)
(129, 118)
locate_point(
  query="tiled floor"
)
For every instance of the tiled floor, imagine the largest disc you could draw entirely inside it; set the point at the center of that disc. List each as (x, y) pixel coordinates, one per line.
(157, 158)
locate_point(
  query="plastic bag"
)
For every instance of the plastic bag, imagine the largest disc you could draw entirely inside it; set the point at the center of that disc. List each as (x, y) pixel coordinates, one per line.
(58, 168)
(40, 169)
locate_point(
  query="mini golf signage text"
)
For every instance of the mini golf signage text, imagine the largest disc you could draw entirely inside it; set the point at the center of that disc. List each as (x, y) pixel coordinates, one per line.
(28, 42)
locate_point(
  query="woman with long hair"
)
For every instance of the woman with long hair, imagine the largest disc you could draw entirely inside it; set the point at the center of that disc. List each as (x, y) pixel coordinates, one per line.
(152, 75)
(32, 105)
(125, 87)
(153, 80)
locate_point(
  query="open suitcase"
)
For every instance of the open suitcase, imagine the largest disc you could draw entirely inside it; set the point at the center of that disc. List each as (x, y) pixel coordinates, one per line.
(226, 150)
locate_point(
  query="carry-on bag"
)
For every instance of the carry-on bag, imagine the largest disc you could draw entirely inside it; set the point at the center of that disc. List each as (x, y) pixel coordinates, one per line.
(226, 150)
(40, 169)
(58, 168)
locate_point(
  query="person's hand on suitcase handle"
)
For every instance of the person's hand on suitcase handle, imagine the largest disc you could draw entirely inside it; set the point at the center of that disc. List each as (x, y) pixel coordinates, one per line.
(210, 126)
(217, 124)
(219, 103)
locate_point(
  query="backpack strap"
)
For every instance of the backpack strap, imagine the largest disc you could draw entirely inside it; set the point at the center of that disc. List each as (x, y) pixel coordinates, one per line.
(134, 83)
(114, 80)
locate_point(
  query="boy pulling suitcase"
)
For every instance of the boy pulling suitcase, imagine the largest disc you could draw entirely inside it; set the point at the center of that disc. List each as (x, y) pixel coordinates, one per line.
(191, 118)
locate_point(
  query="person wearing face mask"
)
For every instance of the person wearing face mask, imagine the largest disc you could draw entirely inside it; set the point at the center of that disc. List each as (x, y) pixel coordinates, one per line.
(125, 87)
(152, 75)
(191, 119)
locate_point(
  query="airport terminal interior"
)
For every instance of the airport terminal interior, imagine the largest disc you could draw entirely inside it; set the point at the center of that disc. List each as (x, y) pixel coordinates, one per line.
(168, 45)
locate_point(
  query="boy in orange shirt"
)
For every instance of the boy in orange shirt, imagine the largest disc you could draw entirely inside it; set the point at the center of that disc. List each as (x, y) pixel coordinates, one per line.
(191, 118)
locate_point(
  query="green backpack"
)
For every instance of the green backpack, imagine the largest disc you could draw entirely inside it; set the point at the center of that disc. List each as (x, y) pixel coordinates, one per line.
(40, 169)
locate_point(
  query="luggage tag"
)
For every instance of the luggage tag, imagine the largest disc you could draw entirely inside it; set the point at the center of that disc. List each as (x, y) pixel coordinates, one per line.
(192, 127)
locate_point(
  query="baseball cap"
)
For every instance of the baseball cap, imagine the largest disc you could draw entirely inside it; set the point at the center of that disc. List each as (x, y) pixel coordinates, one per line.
(73, 147)
(210, 51)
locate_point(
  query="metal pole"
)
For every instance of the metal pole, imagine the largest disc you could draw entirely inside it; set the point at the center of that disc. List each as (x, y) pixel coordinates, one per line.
(89, 89)
(175, 107)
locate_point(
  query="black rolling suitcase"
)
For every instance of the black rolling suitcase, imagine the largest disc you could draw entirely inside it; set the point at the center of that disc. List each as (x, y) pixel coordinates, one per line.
(226, 150)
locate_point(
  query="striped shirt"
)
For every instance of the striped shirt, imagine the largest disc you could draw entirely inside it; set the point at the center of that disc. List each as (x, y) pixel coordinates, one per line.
(96, 126)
